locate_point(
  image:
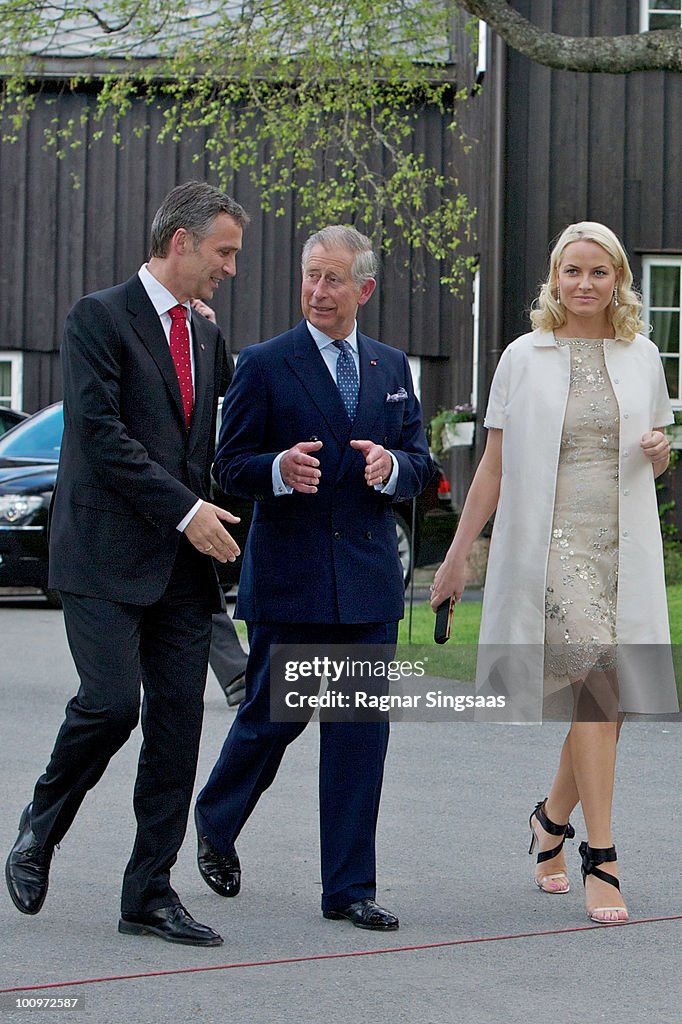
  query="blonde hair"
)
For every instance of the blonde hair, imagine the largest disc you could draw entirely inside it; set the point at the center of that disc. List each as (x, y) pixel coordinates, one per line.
(626, 318)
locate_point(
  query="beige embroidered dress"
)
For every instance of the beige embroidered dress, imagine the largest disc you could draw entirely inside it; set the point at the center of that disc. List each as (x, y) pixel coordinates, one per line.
(581, 470)
(582, 570)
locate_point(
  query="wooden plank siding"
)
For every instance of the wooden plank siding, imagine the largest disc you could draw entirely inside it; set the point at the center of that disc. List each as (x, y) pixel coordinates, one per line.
(81, 223)
(547, 148)
(586, 147)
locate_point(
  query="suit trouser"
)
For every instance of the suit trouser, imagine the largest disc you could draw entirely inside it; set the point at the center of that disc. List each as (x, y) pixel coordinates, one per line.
(227, 656)
(116, 647)
(351, 765)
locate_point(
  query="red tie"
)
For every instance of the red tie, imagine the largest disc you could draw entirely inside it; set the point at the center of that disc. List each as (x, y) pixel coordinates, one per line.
(179, 346)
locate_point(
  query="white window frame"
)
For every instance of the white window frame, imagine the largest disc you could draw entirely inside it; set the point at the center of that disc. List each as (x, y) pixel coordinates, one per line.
(476, 336)
(16, 396)
(663, 261)
(646, 9)
(482, 55)
(415, 364)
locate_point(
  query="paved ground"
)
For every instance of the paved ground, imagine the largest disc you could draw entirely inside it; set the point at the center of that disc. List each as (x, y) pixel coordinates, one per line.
(477, 944)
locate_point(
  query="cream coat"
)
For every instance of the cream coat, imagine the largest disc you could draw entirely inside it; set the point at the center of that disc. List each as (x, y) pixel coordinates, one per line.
(527, 402)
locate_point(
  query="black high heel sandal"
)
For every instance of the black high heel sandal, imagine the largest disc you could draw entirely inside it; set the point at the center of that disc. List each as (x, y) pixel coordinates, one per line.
(565, 831)
(592, 857)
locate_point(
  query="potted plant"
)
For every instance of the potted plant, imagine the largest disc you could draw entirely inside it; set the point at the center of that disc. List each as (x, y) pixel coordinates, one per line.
(451, 428)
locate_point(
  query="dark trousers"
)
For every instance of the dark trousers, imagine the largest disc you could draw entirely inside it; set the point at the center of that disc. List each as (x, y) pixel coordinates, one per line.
(351, 765)
(116, 648)
(227, 656)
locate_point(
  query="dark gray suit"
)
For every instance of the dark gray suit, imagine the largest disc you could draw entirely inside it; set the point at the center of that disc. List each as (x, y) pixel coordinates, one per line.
(137, 595)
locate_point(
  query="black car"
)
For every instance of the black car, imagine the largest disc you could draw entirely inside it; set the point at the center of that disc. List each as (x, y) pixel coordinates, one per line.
(29, 455)
(9, 418)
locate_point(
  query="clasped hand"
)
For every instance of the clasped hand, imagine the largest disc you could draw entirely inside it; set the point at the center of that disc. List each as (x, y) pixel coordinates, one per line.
(300, 469)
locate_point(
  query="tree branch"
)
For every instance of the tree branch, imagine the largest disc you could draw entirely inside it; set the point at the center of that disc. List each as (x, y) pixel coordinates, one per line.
(660, 50)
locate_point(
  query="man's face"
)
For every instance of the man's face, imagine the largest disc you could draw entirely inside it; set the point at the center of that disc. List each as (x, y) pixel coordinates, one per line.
(329, 294)
(205, 264)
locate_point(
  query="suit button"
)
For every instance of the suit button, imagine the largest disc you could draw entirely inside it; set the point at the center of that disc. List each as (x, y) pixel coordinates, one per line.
(368, 535)
(337, 535)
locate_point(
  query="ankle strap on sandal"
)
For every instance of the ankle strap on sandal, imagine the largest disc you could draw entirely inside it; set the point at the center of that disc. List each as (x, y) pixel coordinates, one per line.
(592, 857)
(551, 826)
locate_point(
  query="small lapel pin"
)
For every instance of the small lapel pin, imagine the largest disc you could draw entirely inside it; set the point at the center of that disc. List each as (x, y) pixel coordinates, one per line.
(203, 347)
(373, 362)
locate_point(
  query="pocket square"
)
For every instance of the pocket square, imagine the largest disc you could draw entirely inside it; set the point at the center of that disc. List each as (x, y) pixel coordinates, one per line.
(399, 396)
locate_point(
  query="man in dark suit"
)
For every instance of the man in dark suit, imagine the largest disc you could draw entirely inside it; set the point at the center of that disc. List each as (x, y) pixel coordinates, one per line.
(321, 427)
(131, 539)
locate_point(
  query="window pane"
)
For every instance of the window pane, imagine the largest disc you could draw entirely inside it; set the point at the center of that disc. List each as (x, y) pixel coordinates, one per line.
(665, 5)
(665, 286)
(671, 366)
(38, 438)
(5, 380)
(670, 20)
(666, 331)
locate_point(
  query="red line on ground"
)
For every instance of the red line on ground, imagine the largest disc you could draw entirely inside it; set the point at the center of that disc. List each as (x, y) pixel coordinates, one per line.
(311, 957)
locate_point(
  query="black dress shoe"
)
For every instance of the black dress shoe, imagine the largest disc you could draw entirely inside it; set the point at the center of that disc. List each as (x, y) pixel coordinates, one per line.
(173, 924)
(221, 871)
(365, 914)
(28, 868)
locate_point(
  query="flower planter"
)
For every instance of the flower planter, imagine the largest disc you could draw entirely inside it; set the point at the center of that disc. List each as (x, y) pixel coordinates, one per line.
(457, 435)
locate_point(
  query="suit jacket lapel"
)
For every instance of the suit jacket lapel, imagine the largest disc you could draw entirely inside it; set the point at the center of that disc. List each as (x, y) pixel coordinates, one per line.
(146, 324)
(374, 386)
(310, 368)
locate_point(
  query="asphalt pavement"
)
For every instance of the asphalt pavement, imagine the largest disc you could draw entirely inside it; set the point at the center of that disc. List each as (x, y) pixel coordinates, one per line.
(478, 943)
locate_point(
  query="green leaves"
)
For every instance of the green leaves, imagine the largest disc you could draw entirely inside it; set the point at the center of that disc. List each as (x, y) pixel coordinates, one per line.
(322, 99)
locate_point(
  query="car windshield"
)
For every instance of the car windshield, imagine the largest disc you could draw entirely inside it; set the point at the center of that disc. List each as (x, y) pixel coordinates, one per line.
(39, 437)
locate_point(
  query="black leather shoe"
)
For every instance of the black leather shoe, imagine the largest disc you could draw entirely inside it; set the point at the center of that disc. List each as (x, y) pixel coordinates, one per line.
(365, 914)
(173, 924)
(28, 868)
(221, 871)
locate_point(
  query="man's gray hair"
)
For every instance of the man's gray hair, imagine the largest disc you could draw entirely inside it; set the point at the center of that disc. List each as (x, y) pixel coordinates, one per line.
(193, 206)
(365, 263)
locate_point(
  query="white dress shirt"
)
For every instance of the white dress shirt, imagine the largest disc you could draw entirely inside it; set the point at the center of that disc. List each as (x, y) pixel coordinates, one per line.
(162, 300)
(330, 354)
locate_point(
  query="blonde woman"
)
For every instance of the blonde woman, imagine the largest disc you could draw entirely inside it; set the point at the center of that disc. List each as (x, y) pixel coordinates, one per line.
(575, 573)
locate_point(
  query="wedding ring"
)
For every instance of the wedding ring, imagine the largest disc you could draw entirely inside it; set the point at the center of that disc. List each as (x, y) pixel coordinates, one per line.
(209, 547)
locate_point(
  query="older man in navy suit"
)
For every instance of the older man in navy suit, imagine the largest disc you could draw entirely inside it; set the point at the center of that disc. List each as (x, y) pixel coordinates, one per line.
(321, 427)
(131, 539)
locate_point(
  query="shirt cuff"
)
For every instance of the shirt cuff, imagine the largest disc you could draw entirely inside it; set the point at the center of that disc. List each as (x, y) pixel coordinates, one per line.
(392, 483)
(278, 485)
(184, 523)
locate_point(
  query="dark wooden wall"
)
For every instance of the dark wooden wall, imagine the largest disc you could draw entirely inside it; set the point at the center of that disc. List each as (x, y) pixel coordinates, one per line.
(586, 147)
(80, 223)
(546, 148)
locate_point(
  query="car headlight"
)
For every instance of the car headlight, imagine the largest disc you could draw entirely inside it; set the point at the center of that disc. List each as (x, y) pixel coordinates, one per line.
(14, 508)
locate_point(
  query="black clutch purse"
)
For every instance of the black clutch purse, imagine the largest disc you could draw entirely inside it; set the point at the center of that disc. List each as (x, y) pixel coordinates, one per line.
(444, 613)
